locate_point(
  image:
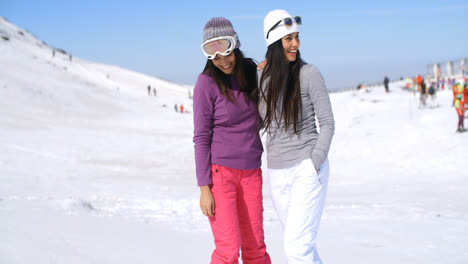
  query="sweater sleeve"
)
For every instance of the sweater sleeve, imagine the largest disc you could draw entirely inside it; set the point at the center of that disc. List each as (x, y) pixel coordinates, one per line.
(323, 112)
(261, 103)
(202, 123)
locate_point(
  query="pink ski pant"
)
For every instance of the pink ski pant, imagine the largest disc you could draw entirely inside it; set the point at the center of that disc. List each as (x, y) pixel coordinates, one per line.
(238, 220)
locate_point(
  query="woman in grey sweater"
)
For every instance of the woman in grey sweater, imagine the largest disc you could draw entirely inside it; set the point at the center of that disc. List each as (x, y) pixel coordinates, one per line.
(293, 97)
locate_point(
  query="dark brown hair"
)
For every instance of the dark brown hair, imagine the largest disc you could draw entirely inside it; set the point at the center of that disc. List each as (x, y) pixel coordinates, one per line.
(245, 72)
(281, 73)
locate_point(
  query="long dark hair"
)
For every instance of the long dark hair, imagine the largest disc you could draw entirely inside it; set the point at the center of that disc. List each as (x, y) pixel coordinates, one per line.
(244, 70)
(281, 73)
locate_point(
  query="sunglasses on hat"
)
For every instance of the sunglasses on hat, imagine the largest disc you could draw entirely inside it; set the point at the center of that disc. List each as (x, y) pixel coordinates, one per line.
(287, 22)
(220, 45)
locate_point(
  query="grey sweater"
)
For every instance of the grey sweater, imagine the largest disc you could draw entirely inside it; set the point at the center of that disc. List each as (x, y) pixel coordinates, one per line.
(286, 149)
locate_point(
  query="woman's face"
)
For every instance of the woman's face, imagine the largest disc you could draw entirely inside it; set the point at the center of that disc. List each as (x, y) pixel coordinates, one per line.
(225, 63)
(291, 44)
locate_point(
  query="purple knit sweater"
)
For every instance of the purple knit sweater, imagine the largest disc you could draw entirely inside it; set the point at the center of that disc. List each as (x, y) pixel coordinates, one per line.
(225, 133)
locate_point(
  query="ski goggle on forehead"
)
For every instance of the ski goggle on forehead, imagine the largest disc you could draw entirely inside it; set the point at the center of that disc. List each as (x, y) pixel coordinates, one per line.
(220, 45)
(287, 22)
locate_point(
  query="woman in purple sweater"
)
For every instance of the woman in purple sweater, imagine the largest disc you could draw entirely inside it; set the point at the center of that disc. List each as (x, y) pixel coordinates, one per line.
(228, 149)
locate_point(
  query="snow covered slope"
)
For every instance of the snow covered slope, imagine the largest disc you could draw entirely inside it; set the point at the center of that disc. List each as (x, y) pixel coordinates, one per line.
(93, 170)
(52, 79)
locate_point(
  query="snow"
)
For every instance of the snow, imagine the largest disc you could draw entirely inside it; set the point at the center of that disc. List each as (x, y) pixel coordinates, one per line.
(93, 170)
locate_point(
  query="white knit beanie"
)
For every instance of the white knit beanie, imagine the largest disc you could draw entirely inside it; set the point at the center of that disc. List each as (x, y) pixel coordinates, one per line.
(281, 30)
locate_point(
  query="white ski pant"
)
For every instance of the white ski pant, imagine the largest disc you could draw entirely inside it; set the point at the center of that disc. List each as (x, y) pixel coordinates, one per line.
(298, 195)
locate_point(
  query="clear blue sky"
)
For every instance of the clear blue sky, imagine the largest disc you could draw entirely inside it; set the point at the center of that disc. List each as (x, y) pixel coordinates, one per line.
(349, 41)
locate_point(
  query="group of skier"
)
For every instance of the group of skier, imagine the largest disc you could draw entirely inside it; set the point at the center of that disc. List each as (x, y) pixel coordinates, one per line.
(152, 90)
(457, 85)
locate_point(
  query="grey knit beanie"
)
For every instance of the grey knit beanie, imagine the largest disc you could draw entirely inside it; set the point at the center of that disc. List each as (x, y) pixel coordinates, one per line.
(217, 27)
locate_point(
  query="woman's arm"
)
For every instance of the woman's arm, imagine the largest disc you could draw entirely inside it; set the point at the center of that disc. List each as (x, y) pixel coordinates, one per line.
(202, 123)
(323, 112)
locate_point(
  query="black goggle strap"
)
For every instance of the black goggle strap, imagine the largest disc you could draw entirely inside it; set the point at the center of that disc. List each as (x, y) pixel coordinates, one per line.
(273, 27)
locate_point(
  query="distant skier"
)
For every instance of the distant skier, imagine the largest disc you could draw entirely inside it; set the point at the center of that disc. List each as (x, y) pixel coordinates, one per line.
(422, 95)
(455, 89)
(438, 77)
(155, 93)
(432, 94)
(53, 53)
(408, 83)
(465, 95)
(70, 57)
(149, 89)
(386, 81)
(362, 88)
(419, 81)
(414, 87)
(176, 108)
(460, 111)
